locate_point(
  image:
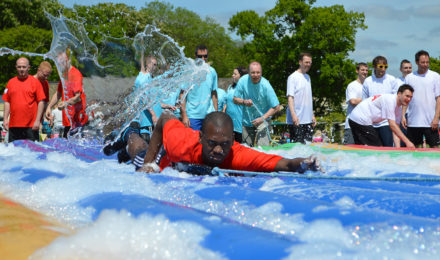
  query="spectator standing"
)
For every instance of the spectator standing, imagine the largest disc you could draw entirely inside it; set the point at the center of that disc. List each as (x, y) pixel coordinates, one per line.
(353, 96)
(233, 110)
(300, 117)
(195, 105)
(260, 102)
(380, 83)
(70, 91)
(24, 104)
(424, 110)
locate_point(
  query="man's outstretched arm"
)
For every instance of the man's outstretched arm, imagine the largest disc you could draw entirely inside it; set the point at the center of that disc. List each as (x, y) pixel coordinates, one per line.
(156, 141)
(298, 164)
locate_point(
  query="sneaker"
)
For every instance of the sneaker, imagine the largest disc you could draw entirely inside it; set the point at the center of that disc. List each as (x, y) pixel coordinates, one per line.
(121, 142)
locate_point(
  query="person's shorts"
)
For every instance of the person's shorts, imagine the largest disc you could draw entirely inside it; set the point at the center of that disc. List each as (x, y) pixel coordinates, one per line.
(22, 133)
(301, 134)
(415, 135)
(196, 124)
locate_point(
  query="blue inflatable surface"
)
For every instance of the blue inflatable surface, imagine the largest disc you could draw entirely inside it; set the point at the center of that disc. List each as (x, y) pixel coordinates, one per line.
(258, 217)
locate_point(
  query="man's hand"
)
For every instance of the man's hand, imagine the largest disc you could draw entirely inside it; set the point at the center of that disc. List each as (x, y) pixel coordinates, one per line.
(185, 121)
(310, 163)
(149, 168)
(434, 124)
(36, 125)
(409, 144)
(6, 124)
(248, 102)
(258, 121)
(313, 121)
(295, 120)
(62, 105)
(403, 122)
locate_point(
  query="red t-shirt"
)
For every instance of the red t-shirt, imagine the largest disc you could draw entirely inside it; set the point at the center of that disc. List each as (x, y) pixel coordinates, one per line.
(23, 97)
(72, 85)
(182, 145)
(45, 85)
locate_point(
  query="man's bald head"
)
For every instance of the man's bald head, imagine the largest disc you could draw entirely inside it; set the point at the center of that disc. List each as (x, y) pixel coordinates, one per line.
(22, 66)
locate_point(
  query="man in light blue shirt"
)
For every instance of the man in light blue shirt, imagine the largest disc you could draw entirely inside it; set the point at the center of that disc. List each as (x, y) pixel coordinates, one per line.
(198, 100)
(260, 102)
(148, 117)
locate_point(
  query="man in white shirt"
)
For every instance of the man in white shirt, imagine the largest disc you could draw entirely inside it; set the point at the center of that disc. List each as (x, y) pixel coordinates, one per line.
(423, 112)
(405, 68)
(300, 115)
(380, 83)
(377, 109)
(353, 95)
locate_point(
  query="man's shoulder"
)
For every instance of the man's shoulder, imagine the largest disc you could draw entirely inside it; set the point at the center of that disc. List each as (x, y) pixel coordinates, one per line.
(354, 84)
(390, 77)
(13, 80)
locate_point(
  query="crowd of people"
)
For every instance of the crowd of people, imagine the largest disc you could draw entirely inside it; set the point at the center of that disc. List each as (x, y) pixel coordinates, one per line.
(28, 106)
(382, 111)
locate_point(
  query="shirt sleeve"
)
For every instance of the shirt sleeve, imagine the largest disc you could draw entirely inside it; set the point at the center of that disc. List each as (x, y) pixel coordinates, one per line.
(272, 97)
(214, 80)
(290, 86)
(365, 92)
(40, 95)
(388, 110)
(350, 93)
(5, 93)
(247, 159)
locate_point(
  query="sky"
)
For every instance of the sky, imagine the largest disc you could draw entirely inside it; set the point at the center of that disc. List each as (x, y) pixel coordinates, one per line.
(397, 29)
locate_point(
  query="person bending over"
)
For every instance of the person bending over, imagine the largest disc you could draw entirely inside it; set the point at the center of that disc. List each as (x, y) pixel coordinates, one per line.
(213, 146)
(377, 109)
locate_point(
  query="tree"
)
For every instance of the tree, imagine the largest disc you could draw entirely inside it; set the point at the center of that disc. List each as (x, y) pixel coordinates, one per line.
(294, 26)
(434, 64)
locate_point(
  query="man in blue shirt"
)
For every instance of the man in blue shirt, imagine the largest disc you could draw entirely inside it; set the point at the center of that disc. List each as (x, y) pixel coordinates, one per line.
(196, 104)
(260, 102)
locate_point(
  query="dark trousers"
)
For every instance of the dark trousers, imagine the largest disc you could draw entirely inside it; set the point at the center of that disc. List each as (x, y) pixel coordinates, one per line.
(22, 133)
(365, 134)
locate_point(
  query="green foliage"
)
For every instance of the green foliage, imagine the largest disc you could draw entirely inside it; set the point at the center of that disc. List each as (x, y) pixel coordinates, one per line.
(434, 64)
(294, 26)
(24, 38)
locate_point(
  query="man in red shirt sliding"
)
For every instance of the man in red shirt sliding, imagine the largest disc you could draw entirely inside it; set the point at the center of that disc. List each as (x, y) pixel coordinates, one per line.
(72, 95)
(213, 146)
(24, 104)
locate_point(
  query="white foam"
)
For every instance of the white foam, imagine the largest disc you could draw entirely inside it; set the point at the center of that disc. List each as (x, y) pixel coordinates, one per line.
(120, 236)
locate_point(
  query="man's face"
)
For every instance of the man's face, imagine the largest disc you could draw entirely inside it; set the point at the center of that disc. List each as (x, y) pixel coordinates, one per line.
(202, 54)
(255, 72)
(305, 64)
(405, 97)
(22, 66)
(406, 68)
(216, 144)
(43, 74)
(423, 64)
(362, 72)
(380, 69)
(152, 65)
(63, 62)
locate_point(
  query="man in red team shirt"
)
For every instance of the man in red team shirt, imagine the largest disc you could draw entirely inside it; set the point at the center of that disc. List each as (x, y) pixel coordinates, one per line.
(24, 104)
(72, 95)
(213, 146)
(44, 71)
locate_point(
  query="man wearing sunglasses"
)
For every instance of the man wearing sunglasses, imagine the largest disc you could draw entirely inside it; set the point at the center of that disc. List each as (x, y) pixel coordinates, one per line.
(377, 84)
(196, 104)
(424, 110)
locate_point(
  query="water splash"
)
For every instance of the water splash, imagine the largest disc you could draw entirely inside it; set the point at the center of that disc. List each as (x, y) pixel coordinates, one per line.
(110, 68)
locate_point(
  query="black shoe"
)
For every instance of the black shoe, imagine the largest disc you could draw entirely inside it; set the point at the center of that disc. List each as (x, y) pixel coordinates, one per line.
(123, 156)
(112, 147)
